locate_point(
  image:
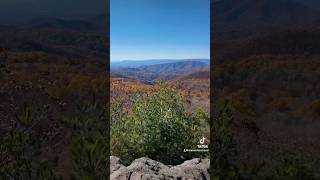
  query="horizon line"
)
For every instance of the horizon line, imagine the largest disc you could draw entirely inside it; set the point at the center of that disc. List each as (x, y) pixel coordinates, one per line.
(173, 59)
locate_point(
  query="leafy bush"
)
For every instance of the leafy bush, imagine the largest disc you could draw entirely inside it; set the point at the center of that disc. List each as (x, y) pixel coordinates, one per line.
(157, 127)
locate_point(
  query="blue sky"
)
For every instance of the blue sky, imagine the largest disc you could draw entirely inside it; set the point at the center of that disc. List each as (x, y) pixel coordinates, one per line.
(159, 29)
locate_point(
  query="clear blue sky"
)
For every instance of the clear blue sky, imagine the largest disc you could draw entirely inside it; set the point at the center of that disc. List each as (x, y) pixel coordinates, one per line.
(159, 29)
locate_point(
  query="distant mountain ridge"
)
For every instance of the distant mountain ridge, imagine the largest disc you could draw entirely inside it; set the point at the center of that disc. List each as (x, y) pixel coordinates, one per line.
(54, 41)
(58, 23)
(175, 68)
(139, 63)
(239, 18)
(160, 72)
(95, 24)
(17, 12)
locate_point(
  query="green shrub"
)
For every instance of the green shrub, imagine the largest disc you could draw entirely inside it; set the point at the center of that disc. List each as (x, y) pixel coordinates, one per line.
(157, 127)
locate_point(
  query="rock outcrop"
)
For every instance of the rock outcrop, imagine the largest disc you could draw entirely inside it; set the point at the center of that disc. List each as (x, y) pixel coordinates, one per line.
(145, 169)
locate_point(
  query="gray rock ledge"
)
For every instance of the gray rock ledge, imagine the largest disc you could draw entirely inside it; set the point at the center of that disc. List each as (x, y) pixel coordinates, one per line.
(148, 169)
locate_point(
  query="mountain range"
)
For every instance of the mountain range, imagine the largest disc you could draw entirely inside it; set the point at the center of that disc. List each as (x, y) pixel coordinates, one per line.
(138, 63)
(165, 71)
(242, 18)
(72, 38)
(21, 11)
(97, 23)
(54, 42)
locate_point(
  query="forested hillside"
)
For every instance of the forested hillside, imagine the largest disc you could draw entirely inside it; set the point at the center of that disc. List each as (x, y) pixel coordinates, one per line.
(268, 81)
(52, 109)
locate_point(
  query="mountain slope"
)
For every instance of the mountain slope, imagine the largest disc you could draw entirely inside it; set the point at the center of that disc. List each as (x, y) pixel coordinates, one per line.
(53, 41)
(96, 24)
(290, 42)
(201, 74)
(272, 82)
(59, 23)
(174, 68)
